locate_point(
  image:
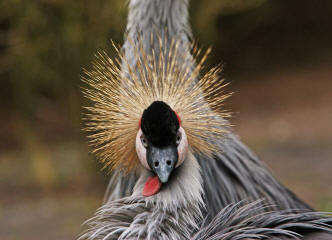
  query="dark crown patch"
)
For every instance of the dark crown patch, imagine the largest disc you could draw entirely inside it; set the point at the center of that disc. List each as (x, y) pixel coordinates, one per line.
(160, 124)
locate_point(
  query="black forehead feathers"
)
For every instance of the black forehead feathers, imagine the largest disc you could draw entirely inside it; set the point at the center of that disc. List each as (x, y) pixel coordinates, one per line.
(160, 124)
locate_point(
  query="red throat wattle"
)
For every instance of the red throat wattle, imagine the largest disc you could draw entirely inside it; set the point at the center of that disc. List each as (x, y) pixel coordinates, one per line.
(152, 186)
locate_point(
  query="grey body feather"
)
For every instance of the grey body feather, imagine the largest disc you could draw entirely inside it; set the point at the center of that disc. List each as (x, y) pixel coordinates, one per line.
(137, 218)
(206, 202)
(243, 221)
(175, 213)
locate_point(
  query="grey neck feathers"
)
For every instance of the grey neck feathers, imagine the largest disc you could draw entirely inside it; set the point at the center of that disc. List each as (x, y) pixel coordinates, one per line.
(168, 17)
(152, 21)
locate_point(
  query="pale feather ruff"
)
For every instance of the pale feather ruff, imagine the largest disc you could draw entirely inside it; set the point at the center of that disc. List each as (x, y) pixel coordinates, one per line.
(119, 99)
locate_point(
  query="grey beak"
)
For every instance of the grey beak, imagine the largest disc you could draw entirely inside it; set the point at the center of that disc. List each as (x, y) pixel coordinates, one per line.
(162, 161)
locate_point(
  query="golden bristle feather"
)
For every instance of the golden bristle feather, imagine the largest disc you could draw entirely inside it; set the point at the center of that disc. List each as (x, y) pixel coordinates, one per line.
(120, 97)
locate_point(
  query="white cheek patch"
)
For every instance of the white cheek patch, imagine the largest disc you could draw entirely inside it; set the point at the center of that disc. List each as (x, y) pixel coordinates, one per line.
(182, 147)
(141, 150)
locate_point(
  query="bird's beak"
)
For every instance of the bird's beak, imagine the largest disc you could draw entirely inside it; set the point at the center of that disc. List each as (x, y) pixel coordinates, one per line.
(162, 161)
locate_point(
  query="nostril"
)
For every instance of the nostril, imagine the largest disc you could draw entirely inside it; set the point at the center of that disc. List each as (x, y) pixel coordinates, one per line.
(169, 162)
(156, 164)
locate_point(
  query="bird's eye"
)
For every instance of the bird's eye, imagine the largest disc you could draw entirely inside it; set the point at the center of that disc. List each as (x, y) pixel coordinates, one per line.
(144, 141)
(178, 138)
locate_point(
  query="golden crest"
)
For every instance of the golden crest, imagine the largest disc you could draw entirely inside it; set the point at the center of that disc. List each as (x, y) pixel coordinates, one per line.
(121, 94)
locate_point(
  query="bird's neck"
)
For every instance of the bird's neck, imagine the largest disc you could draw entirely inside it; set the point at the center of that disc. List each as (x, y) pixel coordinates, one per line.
(153, 25)
(167, 18)
(184, 187)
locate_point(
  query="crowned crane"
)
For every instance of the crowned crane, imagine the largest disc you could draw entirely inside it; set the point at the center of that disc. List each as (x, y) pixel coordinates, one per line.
(232, 172)
(150, 122)
(161, 128)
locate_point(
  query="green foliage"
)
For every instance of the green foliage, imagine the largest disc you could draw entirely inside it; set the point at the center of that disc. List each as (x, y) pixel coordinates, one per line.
(47, 43)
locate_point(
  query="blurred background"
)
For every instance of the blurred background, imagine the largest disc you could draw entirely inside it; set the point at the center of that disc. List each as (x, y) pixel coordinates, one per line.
(277, 55)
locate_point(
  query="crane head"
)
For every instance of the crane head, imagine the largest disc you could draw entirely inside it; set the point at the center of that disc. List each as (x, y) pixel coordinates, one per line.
(153, 113)
(161, 142)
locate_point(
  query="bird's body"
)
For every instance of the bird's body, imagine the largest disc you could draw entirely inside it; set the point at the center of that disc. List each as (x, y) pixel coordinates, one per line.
(178, 170)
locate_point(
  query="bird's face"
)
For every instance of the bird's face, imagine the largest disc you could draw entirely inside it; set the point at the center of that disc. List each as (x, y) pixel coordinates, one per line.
(161, 142)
